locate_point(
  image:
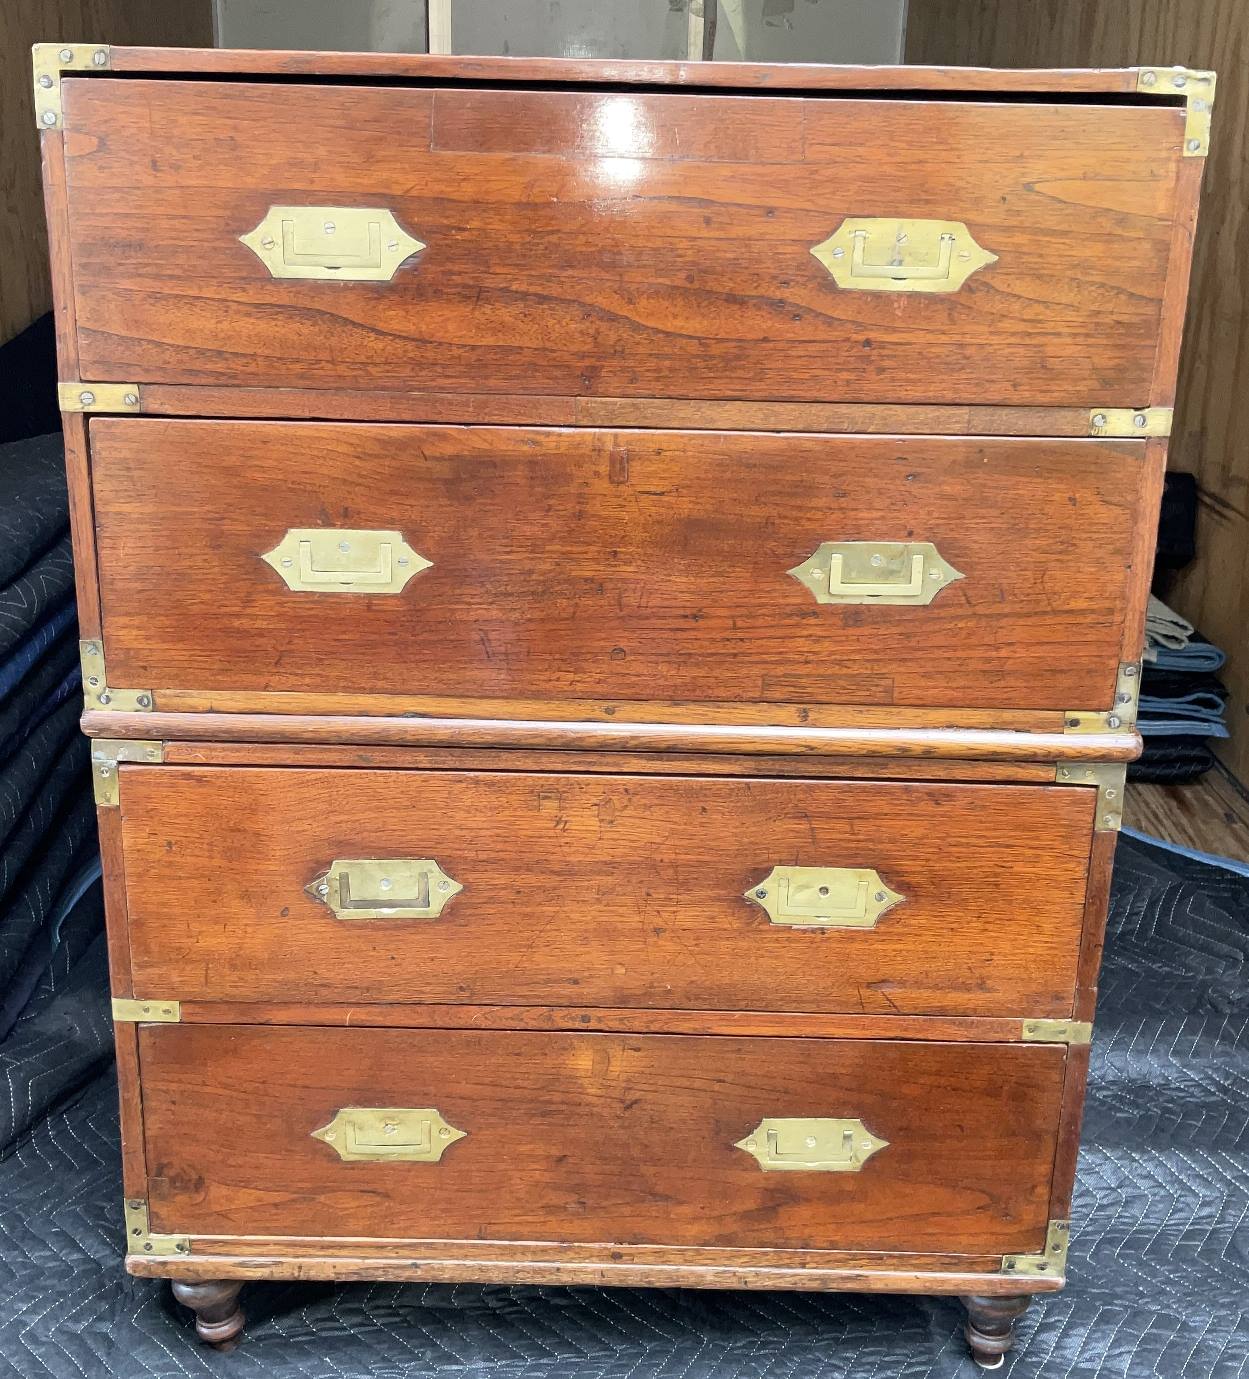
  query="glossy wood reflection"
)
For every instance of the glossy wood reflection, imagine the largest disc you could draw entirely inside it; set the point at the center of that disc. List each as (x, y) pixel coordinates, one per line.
(604, 890)
(591, 1137)
(628, 565)
(620, 244)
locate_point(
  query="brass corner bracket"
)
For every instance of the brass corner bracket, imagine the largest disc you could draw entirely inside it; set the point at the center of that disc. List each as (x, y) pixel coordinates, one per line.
(1122, 712)
(1050, 1264)
(106, 755)
(97, 693)
(1131, 421)
(1056, 1032)
(139, 1237)
(1110, 778)
(76, 396)
(133, 1012)
(1197, 88)
(50, 60)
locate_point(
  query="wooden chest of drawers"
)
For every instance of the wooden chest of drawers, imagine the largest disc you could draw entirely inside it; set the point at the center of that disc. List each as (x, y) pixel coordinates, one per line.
(612, 596)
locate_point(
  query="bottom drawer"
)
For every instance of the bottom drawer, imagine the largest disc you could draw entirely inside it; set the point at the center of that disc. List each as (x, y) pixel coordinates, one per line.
(821, 1144)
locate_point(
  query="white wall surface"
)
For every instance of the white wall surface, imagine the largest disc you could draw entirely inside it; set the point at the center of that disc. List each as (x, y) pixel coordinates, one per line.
(867, 31)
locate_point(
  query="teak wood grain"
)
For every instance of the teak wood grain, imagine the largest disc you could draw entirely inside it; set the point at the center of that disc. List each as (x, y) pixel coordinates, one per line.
(585, 890)
(590, 1137)
(607, 1266)
(573, 563)
(652, 763)
(200, 720)
(620, 244)
(503, 71)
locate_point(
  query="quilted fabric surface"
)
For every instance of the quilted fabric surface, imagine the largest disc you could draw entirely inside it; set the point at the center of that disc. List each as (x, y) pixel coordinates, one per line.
(1159, 1267)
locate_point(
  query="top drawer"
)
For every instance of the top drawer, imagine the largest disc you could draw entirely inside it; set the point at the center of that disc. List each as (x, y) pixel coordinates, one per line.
(630, 244)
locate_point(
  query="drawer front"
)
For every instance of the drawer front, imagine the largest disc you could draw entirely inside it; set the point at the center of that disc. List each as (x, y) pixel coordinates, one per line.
(619, 244)
(583, 1138)
(261, 884)
(630, 565)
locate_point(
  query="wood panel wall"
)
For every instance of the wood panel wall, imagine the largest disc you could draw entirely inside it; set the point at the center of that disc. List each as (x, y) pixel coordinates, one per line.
(1211, 437)
(24, 290)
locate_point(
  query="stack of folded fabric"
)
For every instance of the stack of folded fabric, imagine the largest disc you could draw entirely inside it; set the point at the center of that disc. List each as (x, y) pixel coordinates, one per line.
(1182, 700)
(49, 865)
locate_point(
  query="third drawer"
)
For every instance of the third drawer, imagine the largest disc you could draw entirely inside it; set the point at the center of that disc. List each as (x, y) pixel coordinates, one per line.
(511, 888)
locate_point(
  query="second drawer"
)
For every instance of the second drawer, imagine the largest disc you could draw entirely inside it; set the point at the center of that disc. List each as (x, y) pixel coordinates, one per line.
(516, 888)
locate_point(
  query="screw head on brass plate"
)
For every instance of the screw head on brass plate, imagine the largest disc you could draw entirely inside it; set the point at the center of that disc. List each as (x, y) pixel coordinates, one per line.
(335, 560)
(389, 1133)
(811, 1144)
(335, 243)
(824, 897)
(891, 572)
(390, 888)
(877, 254)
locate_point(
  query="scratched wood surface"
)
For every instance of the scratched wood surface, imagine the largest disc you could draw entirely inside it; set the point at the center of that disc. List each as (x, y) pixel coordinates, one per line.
(629, 565)
(620, 243)
(593, 1137)
(604, 890)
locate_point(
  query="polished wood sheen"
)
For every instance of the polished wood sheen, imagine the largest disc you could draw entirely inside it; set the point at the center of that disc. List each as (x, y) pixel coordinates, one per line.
(586, 1137)
(614, 400)
(570, 563)
(620, 243)
(604, 890)
(499, 71)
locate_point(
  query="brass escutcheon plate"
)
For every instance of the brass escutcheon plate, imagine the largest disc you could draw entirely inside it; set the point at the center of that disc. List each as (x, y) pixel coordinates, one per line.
(401, 1134)
(824, 897)
(811, 1144)
(889, 572)
(385, 888)
(339, 243)
(879, 254)
(341, 560)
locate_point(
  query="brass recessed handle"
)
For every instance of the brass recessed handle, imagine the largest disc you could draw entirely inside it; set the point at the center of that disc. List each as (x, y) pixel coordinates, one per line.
(395, 1133)
(387, 888)
(879, 254)
(809, 1144)
(824, 897)
(890, 572)
(343, 243)
(340, 560)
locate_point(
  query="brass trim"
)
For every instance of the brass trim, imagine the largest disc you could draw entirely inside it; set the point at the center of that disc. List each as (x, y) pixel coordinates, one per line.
(150, 1012)
(1131, 421)
(407, 1134)
(1110, 778)
(49, 61)
(97, 693)
(107, 753)
(395, 888)
(918, 255)
(887, 572)
(1122, 712)
(1056, 1032)
(1053, 1262)
(824, 897)
(810, 1144)
(332, 243)
(1197, 88)
(342, 560)
(139, 1237)
(76, 396)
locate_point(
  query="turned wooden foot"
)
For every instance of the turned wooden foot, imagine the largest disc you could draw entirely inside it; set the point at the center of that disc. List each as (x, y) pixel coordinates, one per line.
(990, 1328)
(218, 1317)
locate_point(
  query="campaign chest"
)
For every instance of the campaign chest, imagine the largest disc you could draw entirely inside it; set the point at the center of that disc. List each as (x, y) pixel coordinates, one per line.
(612, 597)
